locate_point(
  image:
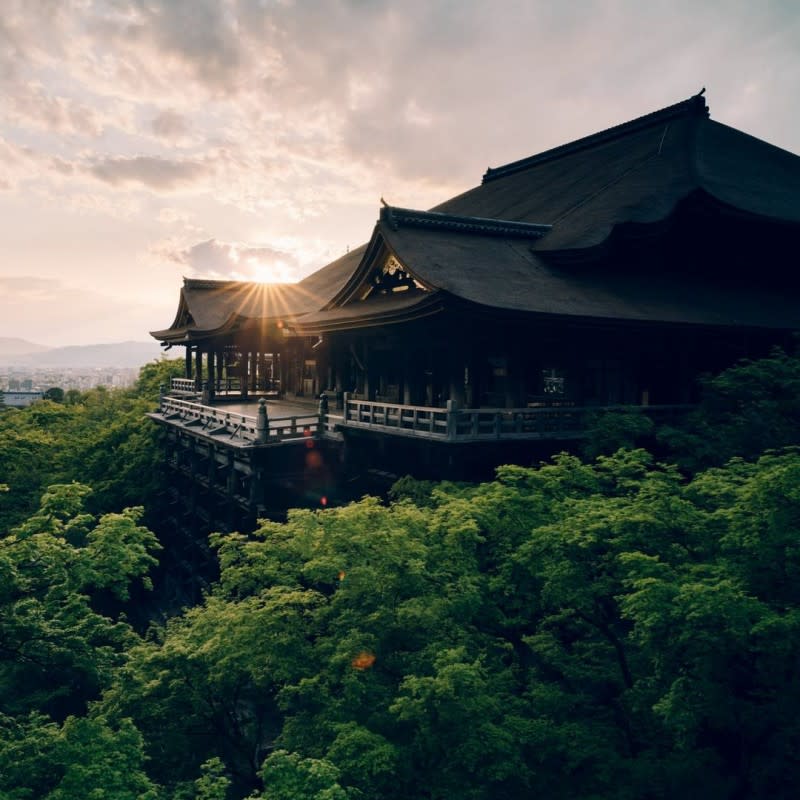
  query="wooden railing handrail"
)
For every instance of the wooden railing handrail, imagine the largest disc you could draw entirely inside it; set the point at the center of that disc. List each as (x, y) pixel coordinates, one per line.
(182, 384)
(464, 424)
(380, 403)
(443, 424)
(242, 426)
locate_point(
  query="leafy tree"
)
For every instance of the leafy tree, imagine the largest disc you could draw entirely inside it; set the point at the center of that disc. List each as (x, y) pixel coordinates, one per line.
(99, 438)
(55, 393)
(287, 776)
(576, 630)
(749, 408)
(213, 784)
(83, 757)
(155, 374)
(609, 431)
(58, 652)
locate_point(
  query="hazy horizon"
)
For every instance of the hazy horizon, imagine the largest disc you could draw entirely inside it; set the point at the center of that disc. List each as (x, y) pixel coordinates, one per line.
(145, 141)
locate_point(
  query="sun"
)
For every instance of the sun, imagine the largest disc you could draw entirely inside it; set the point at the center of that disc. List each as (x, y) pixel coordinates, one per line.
(277, 271)
(262, 273)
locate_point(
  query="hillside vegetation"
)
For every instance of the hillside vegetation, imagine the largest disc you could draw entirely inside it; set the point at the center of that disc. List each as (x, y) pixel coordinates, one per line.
(621, 626)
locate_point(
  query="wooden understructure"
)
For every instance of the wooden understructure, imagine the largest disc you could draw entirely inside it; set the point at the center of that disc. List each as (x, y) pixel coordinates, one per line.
(609, 272)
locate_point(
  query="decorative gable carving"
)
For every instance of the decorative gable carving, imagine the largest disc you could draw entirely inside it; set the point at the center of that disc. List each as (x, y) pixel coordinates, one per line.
(389, 277)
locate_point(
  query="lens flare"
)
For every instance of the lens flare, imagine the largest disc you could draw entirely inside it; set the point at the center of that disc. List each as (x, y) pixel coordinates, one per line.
(364, 660)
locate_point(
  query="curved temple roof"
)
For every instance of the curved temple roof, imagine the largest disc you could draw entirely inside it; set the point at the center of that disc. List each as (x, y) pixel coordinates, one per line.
(500, 244)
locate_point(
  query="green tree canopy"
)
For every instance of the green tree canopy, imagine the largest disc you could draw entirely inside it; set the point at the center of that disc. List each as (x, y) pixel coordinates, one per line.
(58, 652)
(577, 630)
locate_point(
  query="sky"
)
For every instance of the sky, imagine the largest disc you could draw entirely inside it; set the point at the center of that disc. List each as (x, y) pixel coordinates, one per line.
(146, 140)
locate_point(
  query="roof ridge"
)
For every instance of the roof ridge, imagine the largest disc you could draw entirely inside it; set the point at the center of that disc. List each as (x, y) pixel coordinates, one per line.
(222, 283)
(207, 283)
(409, 217)
(695, 106)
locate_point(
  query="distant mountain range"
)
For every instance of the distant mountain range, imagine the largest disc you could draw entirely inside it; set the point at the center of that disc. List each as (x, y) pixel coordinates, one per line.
(19, 347)
(19, 352)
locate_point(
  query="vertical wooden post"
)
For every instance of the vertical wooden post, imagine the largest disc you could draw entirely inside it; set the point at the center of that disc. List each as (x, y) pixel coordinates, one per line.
(198, 369)
(212, 376)
(253, 371)
(262, 422)
(241, 372)
(452, 419)
(188, 360)
(345, 401)
(212, 464)
(231, 482)
(323, 413)
(255, 486)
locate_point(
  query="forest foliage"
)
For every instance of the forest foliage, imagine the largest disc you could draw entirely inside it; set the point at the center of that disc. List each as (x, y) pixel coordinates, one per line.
(625, 626)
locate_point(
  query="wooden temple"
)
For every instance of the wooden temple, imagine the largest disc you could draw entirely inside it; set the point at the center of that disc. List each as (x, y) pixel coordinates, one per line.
(608, 272)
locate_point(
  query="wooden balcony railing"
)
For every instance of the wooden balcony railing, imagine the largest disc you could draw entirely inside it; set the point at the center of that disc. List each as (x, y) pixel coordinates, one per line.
(484, 424)
(424, 422)
(222, 386)
(240, 428)
(182, 386)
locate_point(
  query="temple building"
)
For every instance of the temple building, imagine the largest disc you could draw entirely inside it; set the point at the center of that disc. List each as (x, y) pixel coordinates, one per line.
(610, 271)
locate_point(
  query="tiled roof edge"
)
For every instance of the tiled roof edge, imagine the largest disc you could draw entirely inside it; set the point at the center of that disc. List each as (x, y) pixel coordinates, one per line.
(213, 283)
(406, 217)
(694, 105)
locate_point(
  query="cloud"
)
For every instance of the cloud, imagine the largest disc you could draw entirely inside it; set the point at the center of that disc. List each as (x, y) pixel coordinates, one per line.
(284, 121)
(32, 105)
(18, 164)
(170, 125)
(230, 260)
(172, 216)
(160, 174)
(55, 312)
(298, 105)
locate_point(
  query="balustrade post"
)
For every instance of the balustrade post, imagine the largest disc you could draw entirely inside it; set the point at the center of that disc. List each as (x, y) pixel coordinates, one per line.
(452, 419)
(231, 478)
(323, 412)
(262, 422)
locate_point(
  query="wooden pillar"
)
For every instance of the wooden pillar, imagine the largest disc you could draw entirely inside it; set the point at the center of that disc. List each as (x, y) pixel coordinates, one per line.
(188, 359)
(198, 369)
(369, 378)
(405, 397)
(212, 464)
(256, 483)
(231, 477)
(212, 374)
(285, 363)
(244, 379)
(253, 376)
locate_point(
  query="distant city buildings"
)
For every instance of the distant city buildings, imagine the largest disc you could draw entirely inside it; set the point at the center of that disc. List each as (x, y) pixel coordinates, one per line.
(16, 399)
(30, 381)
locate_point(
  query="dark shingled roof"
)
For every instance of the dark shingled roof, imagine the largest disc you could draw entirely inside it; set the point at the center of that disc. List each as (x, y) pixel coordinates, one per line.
(500, 244)
(207, 307)
(520, 280)
(637, 172)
